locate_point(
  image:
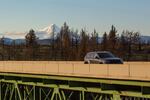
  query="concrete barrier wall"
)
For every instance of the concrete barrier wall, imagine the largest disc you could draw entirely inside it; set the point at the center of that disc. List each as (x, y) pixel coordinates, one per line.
(118, 70)
(51, 68)
(137, 62)
(81, 70)
(99, 70)
(142, 71)
(66, 69)
(133, 70)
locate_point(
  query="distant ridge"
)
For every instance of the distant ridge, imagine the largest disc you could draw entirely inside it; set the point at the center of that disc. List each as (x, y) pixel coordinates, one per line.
(45, 35)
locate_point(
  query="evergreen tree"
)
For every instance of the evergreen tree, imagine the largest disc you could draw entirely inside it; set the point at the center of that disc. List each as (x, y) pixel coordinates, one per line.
(52, 44)
(32, 45)
(65, 41)
(104, 42)
(2, 42)
(112, 39)
(74, 44)
(122, 49)
(2, 50)
(132, 39)
(94, 41)
(83, 44)
(31, 39)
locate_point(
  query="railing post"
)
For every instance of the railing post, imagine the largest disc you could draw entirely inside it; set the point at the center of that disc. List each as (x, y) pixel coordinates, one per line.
(58, 69)
(18, 91)
(0, 90)
(34, 93)
(89, 67)
(72, 68)
(82, 95)
(129, 70)
(116, 97)
(107, 69)
(40, 94)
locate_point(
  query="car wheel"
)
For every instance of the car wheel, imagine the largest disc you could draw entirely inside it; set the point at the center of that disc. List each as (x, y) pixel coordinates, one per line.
(85, 62)
(101, 63)
(89, 62)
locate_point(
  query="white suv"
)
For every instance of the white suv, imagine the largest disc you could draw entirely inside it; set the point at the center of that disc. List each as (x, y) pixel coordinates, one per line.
(101, 57)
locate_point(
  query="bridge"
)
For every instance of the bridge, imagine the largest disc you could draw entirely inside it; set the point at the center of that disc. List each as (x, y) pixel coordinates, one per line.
(50, 80)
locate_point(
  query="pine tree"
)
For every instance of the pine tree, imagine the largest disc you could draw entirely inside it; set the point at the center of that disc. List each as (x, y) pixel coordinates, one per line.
(3, 50)
(74, 44)
(2, 42)
(83, 48)
(32, 45)
(31, 39)
(122, 48)
(104, 42)
(112, 39)
(52, 44)
(65, 41)
(132, 39)
(94, 41)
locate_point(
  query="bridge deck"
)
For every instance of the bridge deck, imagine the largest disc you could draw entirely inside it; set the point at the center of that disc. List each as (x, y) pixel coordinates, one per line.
(42, 80)
(129, 70)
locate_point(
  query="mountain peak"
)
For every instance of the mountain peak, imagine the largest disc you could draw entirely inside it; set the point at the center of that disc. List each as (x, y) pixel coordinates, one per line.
(50, 29)
(48, 32)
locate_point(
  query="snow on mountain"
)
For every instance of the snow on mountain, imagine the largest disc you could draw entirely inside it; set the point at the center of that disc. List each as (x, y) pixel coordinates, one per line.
(49, 32)
(50, 29)
(45, 33)
(13, 35)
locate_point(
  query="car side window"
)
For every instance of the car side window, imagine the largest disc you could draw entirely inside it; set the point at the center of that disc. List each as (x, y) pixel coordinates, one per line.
(96, 57)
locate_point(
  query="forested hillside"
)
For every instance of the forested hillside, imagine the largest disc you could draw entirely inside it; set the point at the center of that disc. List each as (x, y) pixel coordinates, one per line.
(72, 47)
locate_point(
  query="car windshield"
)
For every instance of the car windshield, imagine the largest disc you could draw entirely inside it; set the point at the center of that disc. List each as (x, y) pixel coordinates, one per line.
(105, 55)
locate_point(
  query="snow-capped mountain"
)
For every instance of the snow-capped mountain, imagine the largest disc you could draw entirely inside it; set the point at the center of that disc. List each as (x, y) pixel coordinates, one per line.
(45, 33)
(49, 32)
(50, 29)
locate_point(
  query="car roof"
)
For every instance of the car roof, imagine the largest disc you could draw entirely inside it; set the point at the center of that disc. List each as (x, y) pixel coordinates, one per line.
(99, 52)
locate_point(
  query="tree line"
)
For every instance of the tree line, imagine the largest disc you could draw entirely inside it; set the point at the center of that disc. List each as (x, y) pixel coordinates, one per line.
(71, 46)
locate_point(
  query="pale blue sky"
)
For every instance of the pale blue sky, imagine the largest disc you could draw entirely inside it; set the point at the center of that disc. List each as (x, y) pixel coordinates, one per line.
(22, 15)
